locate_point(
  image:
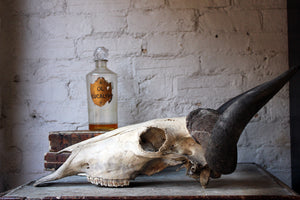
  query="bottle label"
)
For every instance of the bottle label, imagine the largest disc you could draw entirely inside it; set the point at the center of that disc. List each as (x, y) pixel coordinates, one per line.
(101, 92)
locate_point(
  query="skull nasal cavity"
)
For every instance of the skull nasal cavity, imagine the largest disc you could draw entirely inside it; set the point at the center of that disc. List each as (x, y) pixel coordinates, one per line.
(152, 139)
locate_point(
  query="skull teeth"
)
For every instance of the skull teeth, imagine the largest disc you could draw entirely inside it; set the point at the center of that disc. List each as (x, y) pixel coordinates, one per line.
(108, 182)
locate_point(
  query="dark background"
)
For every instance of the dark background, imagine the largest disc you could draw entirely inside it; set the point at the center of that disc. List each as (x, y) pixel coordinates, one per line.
(293, 9)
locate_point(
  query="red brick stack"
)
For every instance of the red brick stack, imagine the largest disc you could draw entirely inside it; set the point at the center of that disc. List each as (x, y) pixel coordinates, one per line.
(60, 140)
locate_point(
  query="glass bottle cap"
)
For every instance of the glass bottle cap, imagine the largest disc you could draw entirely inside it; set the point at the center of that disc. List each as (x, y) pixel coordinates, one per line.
(101, 53)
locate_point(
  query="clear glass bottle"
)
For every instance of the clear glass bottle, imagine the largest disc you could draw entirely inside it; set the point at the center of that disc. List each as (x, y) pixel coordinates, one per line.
(102, 94)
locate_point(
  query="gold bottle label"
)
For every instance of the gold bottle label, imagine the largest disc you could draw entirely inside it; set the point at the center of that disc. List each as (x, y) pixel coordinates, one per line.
(101, 92)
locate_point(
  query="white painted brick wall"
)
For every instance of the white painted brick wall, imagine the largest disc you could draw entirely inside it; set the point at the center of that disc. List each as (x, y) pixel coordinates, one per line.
(172, 56)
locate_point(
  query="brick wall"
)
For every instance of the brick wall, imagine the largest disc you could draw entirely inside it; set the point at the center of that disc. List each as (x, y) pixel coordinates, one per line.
(172, 56)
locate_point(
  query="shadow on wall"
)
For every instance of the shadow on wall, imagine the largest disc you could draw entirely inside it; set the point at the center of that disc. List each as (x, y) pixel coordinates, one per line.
(12, 46)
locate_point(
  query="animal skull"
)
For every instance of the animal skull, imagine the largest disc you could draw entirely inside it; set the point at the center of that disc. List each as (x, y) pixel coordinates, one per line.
(115, 158)
(205, 142)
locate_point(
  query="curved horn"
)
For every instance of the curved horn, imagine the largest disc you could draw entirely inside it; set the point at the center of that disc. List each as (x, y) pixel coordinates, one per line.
(221, 150)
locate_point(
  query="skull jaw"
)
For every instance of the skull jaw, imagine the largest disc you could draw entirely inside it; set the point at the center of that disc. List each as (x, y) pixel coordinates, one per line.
(108, 182)
(195, 170)
(149, 168)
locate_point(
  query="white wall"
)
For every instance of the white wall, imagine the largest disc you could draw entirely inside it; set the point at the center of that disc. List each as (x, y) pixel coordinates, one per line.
(172, 56)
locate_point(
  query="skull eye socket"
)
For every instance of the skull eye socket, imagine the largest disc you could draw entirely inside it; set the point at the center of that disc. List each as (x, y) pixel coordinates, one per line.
(152, 139)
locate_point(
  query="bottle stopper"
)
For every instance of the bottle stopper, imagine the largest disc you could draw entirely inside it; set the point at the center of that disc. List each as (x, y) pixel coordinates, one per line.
(101, 53)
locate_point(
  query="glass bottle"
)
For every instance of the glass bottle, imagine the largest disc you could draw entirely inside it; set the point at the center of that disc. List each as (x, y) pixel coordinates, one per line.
(102, 94)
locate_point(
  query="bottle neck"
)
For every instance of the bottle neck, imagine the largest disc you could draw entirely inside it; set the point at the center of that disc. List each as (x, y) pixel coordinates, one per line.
(101, 63)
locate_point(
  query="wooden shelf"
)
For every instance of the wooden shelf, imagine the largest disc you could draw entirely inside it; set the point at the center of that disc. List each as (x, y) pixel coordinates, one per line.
(249, 181)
